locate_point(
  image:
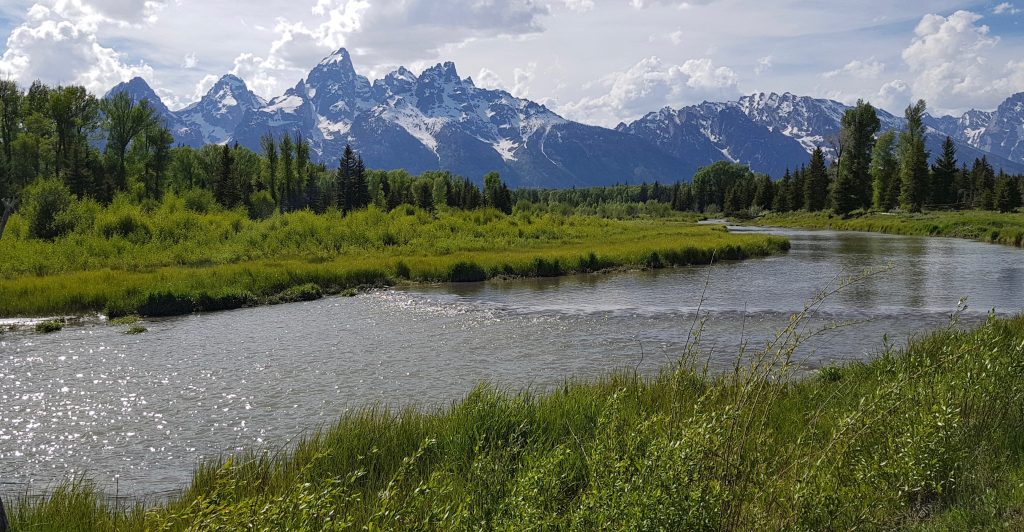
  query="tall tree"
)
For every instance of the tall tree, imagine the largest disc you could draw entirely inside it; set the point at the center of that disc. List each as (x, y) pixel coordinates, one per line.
(913, 160)
(287, 172)
(300, 194)
(816, 182)
(852, 187)
(884, 172)
(943, 189)
(269, 147)
(124, 121)
(73, 112)
(1007, 194)
(983, 182)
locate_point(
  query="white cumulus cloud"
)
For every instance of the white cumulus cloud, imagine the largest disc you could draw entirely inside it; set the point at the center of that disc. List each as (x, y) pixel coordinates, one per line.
(651, 84)
(868, 69)
(950, 60)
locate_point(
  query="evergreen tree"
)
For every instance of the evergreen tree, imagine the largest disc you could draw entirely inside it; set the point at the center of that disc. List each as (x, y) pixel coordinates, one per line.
(360, 189)
(303, 184)
(269, 147)
(943, 187)
(913, 160)
(496, 194)
(796, 189)
(287, 185)
(816, 183)
(852, 186)
(983, 181)
(1007, 194)
(764, 193)
(225, 190)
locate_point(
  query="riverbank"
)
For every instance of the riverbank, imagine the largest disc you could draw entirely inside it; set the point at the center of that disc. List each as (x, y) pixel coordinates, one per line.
(182, 262)
(986, 226)
(928, 437)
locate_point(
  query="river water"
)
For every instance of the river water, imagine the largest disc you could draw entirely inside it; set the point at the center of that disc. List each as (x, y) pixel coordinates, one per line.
(136, 413)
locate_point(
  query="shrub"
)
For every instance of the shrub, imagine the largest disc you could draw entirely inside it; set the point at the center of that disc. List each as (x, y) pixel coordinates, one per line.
(49, 326)
(136, 329)
(305, 292)
(166, 304)
(261, 205)
(46, 201)
(125, 320)
(466, 272)
(199, 200)
(122, 219)
(402, 270)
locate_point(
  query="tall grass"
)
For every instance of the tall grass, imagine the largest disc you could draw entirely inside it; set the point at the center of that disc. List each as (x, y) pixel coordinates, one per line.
(987, 226)
(929, 436)
(125, 260)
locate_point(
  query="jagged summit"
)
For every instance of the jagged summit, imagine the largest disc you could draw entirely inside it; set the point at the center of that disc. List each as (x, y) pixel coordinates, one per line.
(437, 120)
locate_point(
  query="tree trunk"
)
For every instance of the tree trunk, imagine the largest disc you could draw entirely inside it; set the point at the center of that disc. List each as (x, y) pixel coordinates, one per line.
(9, 206)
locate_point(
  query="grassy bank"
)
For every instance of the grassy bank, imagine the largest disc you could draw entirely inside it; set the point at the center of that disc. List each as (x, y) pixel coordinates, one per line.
(171, 260)
(929, 438)
(987, 226)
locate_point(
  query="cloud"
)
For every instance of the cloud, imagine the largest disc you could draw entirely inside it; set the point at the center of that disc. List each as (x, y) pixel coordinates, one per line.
(650, 84)
(763, 65)
(951, 64)
(580, 6)
(893, 94)
(189, 61)
(680, 4)
(1005, 8)
(868, 69)
(521, 78)
(59, 44)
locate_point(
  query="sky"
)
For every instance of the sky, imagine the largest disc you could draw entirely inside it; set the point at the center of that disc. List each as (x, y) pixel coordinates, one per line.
(594, 61)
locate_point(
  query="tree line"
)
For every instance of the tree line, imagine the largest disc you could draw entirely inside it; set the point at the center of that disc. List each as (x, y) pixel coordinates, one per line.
(870, 170)
(61, 143)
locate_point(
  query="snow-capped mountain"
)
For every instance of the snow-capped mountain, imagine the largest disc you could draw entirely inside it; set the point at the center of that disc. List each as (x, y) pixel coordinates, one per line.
(215, 117)
(438, 120)
(712, 132)
(772, 132)
(998, 133)
(138, 90)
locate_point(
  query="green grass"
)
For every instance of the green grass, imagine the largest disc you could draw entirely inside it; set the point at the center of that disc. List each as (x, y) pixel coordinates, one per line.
(987, 226)
(49, 326)
(181, 262)
(930, 437)
(136, 329)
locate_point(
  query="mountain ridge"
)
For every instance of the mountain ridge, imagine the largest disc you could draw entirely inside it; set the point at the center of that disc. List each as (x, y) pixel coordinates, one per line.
(438, 120)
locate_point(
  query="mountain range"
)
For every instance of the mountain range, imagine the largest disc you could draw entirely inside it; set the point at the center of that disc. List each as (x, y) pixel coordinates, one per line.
(438, 120)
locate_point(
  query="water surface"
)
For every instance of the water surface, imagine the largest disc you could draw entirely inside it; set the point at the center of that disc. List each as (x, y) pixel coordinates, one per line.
(137, 412)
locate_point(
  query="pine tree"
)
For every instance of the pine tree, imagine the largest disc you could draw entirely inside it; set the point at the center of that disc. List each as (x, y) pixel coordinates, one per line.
(269, 147)
(816, 182)
(796, 189)
(983, 180)
(360, 188)
(943, 191)
(1007, 194)
(764, 193)
(913, 160)
(287, 184)
(301, 192)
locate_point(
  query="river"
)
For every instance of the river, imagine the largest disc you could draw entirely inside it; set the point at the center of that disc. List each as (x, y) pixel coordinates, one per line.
(136, 413)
